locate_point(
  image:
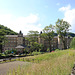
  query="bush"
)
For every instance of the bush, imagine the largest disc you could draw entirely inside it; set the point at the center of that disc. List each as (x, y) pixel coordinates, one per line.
(7, 52)
(13, 51)
(0, 54)
(37, 53)
(57, 49)
(48, 49)
(72, 44)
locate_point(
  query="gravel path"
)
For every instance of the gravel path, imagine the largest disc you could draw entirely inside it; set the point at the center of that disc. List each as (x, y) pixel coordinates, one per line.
(5, 67)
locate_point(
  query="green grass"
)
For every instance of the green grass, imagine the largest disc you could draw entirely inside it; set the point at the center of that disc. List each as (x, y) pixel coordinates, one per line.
(55, 63)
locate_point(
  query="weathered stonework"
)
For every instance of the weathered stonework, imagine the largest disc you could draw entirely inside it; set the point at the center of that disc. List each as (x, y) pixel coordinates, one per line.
(73, 70)
(13, 41)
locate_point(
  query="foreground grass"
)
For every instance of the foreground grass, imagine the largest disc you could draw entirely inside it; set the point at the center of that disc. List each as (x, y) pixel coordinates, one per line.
(55, 63)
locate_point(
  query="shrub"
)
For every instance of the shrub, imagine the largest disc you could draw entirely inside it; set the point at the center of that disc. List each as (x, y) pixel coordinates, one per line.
(0, 54)
(13, 51)
(57, 49)
(72, 44)
(7, 52)
(48, 50)
(37, 53)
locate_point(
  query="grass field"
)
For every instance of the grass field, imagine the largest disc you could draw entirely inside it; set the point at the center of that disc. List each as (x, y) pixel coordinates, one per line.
(54, 63)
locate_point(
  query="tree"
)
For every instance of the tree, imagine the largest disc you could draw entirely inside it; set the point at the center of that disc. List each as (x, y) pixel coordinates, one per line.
(72, 44)
(32, 36)
(4, 31)
(62, 28)
(48, 34)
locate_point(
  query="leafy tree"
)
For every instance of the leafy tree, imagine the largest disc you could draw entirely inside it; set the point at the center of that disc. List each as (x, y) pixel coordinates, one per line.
(4, 31)
(62, 28)
(32, 36)
(7, 52)
(48, 34)
(72, 44)
(41, 48)
(0, 54)
(13, 51)
(36, 47)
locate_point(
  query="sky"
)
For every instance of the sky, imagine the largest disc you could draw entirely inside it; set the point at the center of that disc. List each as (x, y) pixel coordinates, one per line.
(26, 15)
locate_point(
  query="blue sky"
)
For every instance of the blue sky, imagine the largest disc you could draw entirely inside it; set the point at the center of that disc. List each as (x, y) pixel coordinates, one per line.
(28, 15)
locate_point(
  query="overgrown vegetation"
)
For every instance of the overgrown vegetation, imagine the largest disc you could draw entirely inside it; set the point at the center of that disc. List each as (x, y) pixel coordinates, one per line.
(62, 28)
(72, 44)
(13, 51)
(54, 63)
(4, 31)
(48, 34)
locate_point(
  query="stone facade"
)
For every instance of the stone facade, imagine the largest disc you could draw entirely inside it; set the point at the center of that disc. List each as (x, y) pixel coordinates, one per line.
(17, 41)
(56, 42)
(73, 70)
(14, 41)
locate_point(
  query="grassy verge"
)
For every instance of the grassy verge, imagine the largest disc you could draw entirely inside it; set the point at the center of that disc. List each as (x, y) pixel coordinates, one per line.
(55, 63)
(46, 56)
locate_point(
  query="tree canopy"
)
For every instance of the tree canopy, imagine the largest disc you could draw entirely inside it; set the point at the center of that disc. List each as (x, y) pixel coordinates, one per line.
(48, 34)
(32, 36)
(62, 28)
(5, 31)
(72, 44)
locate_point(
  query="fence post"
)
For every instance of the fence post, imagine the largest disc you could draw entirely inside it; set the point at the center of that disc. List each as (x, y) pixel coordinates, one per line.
(19, 58)
(38, 61)
(10, 59)
(33, 60)
(15, 73)
(23, 59)
(4, 59)
(15, 59)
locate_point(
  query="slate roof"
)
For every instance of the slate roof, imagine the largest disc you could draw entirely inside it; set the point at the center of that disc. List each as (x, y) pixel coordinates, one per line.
(19, 46)
(14, 36)
(11, 35)
(28, 36)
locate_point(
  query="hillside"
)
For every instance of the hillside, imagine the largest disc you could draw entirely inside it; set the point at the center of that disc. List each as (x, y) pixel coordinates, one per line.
(5, 31)
(54, 63)
(70, 34)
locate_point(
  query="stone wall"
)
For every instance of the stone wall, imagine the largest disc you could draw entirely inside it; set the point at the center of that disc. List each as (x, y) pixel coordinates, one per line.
(73, 70)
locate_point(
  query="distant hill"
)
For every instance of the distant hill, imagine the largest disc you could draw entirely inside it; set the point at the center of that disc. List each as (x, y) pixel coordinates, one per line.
(70, 33)
(5, 31)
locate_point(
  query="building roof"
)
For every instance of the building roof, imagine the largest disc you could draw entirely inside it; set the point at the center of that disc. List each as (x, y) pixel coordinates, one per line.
(28, 36)
(11, 35)
(19, 46)
(14, 36)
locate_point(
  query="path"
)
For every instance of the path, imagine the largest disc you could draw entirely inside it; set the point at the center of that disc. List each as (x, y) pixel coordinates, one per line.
(5, 67)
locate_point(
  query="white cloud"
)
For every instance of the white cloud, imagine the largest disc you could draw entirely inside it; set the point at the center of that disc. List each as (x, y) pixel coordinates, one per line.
(65, 8)
(69, 16)
(25, 24)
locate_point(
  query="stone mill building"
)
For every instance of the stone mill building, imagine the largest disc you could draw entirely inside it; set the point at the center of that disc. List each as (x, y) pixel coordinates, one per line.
(19, 42)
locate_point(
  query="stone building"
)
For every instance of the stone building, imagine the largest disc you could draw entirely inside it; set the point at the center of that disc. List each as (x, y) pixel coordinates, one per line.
(56, 42)
(19, 42)
(15, 42)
